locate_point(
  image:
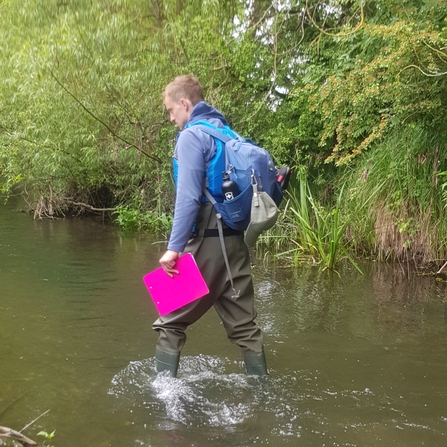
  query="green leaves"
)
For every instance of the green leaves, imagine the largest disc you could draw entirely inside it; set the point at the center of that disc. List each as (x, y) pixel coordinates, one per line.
(47, 436)
(392, 85)
(131, 219)
(328, 88)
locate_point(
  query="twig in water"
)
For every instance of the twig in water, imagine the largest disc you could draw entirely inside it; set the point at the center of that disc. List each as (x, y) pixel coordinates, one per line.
(439, 271)
(32, 422)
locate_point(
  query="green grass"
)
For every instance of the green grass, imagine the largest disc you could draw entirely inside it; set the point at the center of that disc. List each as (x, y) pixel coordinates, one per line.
(310, 231)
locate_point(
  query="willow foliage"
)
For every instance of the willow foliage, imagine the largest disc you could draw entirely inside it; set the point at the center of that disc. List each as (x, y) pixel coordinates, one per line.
(81, 94)
(326, 86)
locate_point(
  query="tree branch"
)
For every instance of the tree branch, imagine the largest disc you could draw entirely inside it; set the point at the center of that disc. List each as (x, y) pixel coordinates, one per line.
(433, 75)
(90, 207)
(6, 432)
(101, 121)
(348, 33)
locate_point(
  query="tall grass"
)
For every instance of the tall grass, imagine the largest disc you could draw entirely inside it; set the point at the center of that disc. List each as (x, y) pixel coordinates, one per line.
(391, 206)
(311, 231)
(402, 180)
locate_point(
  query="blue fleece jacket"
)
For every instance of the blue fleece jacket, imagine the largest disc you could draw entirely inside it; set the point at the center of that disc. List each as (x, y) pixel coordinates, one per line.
(193, 151)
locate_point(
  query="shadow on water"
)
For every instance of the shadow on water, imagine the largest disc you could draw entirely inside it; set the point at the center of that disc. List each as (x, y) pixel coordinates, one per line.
(354, 360)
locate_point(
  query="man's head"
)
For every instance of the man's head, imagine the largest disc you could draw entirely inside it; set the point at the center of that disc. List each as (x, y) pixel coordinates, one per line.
(180, 97)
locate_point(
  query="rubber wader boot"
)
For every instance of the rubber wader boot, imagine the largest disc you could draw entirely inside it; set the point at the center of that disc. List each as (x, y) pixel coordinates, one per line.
(165, 361)
(255, 364)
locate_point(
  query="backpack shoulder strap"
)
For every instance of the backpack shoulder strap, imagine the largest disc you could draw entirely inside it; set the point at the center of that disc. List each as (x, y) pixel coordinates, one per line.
(214, 133)
(212, 130)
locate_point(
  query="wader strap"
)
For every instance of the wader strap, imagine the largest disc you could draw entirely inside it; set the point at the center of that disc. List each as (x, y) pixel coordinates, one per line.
(222, 243)
(251, 252)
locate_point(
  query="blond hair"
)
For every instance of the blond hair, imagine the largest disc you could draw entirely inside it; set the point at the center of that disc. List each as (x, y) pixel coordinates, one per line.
(184, 87)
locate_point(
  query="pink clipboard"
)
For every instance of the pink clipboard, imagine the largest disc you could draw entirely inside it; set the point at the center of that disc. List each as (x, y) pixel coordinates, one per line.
(170, 294)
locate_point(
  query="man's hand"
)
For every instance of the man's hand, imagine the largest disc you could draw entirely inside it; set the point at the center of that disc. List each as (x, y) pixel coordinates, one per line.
(167, 261)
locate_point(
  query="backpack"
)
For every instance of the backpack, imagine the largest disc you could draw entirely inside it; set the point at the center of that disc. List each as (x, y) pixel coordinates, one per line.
(252, 169)
(249, 166)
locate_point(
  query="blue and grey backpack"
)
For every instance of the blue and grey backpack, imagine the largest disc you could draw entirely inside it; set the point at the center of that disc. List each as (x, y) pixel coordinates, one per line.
(260, 187)
(248, 165)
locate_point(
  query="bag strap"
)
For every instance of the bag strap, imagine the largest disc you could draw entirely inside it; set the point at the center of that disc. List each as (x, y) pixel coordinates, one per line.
(222, 243)
(214, 132)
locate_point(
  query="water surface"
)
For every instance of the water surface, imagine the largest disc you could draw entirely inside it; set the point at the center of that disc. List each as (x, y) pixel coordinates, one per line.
(354, 360)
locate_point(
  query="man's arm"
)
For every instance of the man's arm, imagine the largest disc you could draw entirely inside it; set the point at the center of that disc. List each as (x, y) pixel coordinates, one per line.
(191, 169)
(191, 161)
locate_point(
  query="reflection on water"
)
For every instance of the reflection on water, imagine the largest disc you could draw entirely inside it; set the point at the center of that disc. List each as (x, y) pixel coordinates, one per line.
(354, 360)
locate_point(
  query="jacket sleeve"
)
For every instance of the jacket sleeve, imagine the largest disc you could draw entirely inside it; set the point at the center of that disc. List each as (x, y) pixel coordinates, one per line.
(192, 154)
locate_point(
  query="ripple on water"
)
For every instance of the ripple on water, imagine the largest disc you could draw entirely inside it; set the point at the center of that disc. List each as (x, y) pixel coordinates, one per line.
(284, 407)
(205, 395)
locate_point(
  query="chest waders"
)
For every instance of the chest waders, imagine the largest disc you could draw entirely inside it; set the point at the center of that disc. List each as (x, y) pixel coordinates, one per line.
(237, 314)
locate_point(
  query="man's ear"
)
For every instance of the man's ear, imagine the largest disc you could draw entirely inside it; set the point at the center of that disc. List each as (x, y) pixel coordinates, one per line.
(187, 104)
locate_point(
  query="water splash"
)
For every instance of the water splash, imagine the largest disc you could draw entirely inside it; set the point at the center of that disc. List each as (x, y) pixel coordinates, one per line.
(230, 407)
(203, 395)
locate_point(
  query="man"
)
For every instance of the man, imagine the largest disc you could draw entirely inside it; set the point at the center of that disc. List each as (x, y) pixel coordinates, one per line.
(193, 157)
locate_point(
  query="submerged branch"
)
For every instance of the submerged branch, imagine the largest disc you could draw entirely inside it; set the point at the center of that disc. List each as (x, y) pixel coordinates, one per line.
(90, 207)
(37, 418)
(6, 432)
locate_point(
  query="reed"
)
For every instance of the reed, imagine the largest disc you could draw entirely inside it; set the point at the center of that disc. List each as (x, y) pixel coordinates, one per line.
(311, 231)
(391, 206)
